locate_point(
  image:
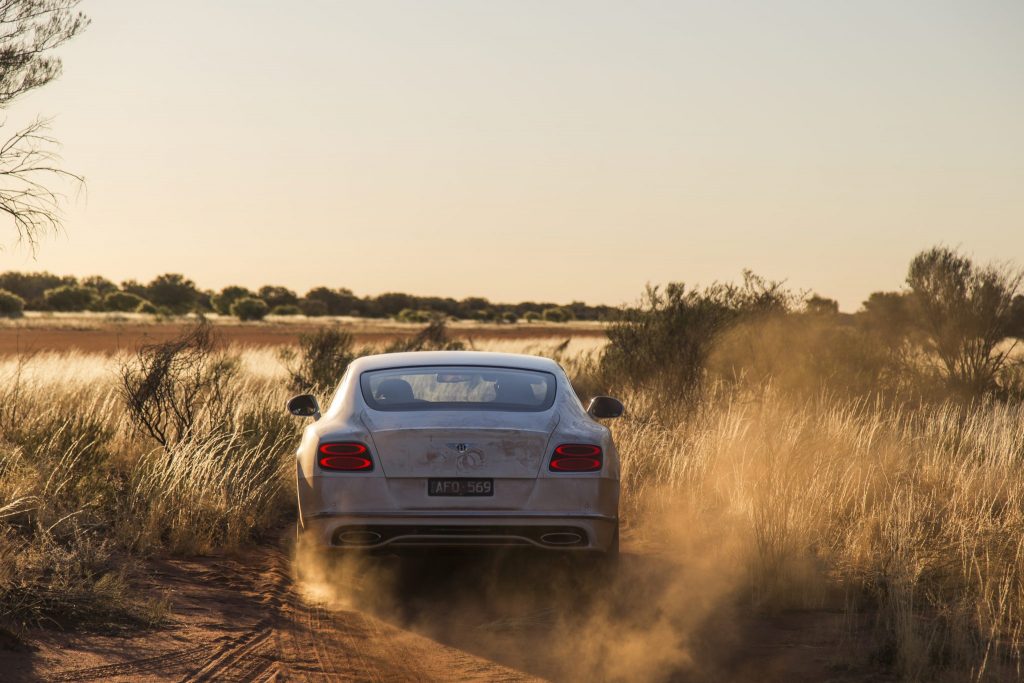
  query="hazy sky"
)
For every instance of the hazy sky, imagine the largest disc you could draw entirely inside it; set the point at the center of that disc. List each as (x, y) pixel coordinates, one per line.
(537, 149)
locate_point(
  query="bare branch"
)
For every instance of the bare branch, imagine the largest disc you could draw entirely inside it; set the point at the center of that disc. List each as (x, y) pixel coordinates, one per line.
(29, 164)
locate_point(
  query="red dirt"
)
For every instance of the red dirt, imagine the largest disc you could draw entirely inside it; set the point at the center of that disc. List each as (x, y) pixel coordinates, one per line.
(242, 619)
(112, 337)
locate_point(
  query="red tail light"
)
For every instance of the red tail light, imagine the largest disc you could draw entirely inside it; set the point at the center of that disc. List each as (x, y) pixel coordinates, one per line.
(574, 457)
(345, 457)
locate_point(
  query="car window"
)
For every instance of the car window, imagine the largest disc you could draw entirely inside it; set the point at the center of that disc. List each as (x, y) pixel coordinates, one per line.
(458, 387)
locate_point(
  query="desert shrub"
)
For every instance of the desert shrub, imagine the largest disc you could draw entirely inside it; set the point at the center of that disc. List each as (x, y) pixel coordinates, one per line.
(509, 317)
(1015, 322)
(11, 305)
(222, 302)
(179, 389)
(324, 355)
(555, 315)
(286, 309)
(531, 316)
(30, 286)
(102, 285)
(249, 308)
(819, 305)
(666, 341)
(433, 337)
(322, 359)
(122, 301)
(146, 307)
(70, 298)
(888, 315)
(964, 313)
(409, 315)
(336, 301)
(277, 296)
(313, 308)
(173, 291)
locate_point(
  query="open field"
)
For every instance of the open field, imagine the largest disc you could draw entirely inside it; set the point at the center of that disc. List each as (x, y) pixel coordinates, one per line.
(766, 537)
(113, 332)
(93, 494)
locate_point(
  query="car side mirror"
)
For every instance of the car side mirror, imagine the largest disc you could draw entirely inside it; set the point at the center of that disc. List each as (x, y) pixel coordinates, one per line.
(605, 407)
(304, 405)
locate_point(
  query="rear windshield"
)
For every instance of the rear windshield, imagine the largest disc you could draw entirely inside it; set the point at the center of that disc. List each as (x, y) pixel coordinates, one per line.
(458, 387)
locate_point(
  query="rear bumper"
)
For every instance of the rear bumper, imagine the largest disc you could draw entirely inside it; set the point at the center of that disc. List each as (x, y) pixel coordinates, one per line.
(570, 532)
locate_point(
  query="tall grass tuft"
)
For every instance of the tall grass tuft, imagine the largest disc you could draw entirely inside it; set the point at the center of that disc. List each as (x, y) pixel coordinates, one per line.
(82, 486)
(917, 517)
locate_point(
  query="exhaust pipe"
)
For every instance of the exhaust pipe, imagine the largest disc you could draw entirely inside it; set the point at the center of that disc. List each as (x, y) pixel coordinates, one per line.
(358, 537)
(561, 538)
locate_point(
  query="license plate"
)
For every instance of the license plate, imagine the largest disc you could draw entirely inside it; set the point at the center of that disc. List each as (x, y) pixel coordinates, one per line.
(460, 487)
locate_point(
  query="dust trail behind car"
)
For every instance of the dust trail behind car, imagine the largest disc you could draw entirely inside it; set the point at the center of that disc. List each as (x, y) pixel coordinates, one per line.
(670, 614)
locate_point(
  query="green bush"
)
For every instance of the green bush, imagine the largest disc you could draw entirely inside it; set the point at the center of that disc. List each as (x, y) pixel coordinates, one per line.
(509, 317)
(409, 315)
(249, 308)
(275, 296)
(229, 295)
(433, 337)
(322, 359)
(122, 301)
(555, 315)
(531, 316)
(666, 342)
(146, 307)
(11, 305)
(70, 298)
(313, 308)
(173, 291)
(286, 309)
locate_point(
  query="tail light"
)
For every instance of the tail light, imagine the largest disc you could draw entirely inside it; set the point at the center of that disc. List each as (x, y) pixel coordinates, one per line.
(575, 457)
(345, 457)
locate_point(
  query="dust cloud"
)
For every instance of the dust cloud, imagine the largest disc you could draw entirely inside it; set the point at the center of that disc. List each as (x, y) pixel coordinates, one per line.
(666, 614)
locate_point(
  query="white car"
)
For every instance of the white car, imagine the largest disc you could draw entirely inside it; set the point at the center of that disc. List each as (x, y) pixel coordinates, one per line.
(458, 448)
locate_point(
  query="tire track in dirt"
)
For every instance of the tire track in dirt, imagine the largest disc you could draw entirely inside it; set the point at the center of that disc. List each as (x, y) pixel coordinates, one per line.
(278, 635)
(244, 659)
(167, 663)
(299, 640)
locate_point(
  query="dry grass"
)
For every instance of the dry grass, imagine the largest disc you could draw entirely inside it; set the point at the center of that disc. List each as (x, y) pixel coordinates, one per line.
(81, 488)
(913, 517)
(356, 325)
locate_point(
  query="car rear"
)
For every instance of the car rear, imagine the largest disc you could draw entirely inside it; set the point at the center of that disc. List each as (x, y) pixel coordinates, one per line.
(455, 455)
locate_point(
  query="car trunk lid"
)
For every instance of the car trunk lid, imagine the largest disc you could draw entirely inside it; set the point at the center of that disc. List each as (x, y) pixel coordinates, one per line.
(413, 447)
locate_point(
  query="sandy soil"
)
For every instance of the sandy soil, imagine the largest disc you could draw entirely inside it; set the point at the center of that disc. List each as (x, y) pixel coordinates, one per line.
(246, 618)
(108, 334)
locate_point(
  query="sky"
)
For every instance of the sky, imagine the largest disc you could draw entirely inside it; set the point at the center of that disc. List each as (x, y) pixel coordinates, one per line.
(535, 149)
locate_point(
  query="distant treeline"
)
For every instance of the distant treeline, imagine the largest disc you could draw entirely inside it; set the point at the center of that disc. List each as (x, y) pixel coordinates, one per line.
(174, 294)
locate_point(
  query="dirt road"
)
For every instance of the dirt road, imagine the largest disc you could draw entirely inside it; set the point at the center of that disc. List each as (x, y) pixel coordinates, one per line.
(242, 620)
(254, 618)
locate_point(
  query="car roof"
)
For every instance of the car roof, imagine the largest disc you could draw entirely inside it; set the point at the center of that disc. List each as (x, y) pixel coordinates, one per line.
(483, 358)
